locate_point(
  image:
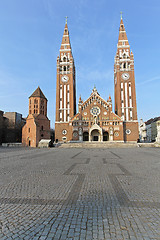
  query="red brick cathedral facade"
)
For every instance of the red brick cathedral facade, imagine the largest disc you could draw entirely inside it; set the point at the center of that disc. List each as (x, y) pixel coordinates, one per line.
(95, 120)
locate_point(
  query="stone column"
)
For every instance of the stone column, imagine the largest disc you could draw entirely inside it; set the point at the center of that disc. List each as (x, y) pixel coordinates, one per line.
(81, 134)
(111, 134)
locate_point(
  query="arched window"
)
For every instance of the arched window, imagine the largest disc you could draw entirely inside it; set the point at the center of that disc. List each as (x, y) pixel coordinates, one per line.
(64, 68)
(42, 128)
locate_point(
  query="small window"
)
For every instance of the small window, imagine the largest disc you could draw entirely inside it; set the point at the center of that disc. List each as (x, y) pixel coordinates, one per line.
(42, 135)
(42, 128)
(29, 130)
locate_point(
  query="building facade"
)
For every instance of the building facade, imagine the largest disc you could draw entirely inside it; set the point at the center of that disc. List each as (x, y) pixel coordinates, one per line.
(37, 125)
(151, 127)
(11, 124)
(95, 120)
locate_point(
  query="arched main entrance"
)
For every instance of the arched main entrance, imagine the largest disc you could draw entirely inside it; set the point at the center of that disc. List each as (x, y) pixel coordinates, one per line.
(105, 136)
(95, 135)
(85, 136)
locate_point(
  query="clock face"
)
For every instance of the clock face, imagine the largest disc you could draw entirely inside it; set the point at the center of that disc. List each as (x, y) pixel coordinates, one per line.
(95, 111)
(125, 76)
(64, 78)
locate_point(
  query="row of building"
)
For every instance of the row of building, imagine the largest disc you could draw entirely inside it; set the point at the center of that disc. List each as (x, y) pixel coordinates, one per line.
(11, 124)
(149, 131)
(95, 119)
(31, 130)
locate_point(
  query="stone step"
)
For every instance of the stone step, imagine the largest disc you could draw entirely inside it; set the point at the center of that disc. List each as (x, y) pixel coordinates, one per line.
(105, 145)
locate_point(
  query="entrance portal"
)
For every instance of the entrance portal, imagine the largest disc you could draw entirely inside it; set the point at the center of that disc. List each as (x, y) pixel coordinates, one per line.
(95, 138)
(95, 135)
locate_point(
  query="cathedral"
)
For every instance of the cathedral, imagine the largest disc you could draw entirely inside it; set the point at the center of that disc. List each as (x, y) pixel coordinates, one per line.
(95, 119)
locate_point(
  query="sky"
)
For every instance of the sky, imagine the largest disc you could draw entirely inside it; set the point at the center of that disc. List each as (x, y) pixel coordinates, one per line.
(30, 37)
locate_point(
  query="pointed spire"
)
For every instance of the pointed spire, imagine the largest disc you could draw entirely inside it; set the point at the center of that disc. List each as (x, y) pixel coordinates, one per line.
(109, 99)
(122, 31)
(65, 40)
(38, 93)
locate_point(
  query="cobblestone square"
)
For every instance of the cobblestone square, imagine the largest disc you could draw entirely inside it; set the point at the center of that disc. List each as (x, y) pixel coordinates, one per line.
(75, 193)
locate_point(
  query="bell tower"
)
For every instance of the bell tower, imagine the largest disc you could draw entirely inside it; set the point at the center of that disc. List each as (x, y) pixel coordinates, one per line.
(66, 86)
(124, 82)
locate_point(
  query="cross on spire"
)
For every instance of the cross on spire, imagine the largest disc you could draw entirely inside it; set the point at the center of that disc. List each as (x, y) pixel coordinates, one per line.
(121, 14)
(66, 19)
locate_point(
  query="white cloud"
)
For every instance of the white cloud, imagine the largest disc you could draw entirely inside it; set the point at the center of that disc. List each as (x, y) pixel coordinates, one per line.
(149, 80)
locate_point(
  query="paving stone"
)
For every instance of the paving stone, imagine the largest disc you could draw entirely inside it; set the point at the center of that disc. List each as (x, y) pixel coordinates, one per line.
(80, 193)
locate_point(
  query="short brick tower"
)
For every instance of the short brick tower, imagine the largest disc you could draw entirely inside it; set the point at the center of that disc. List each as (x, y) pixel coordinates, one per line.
(124, 85)
(66, 87)
(37, 125)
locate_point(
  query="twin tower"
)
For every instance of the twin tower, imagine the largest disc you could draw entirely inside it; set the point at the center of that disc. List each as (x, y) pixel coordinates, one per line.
(95, 120)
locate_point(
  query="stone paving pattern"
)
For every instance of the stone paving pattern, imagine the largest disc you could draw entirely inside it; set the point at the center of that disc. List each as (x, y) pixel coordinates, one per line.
(80, 193)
